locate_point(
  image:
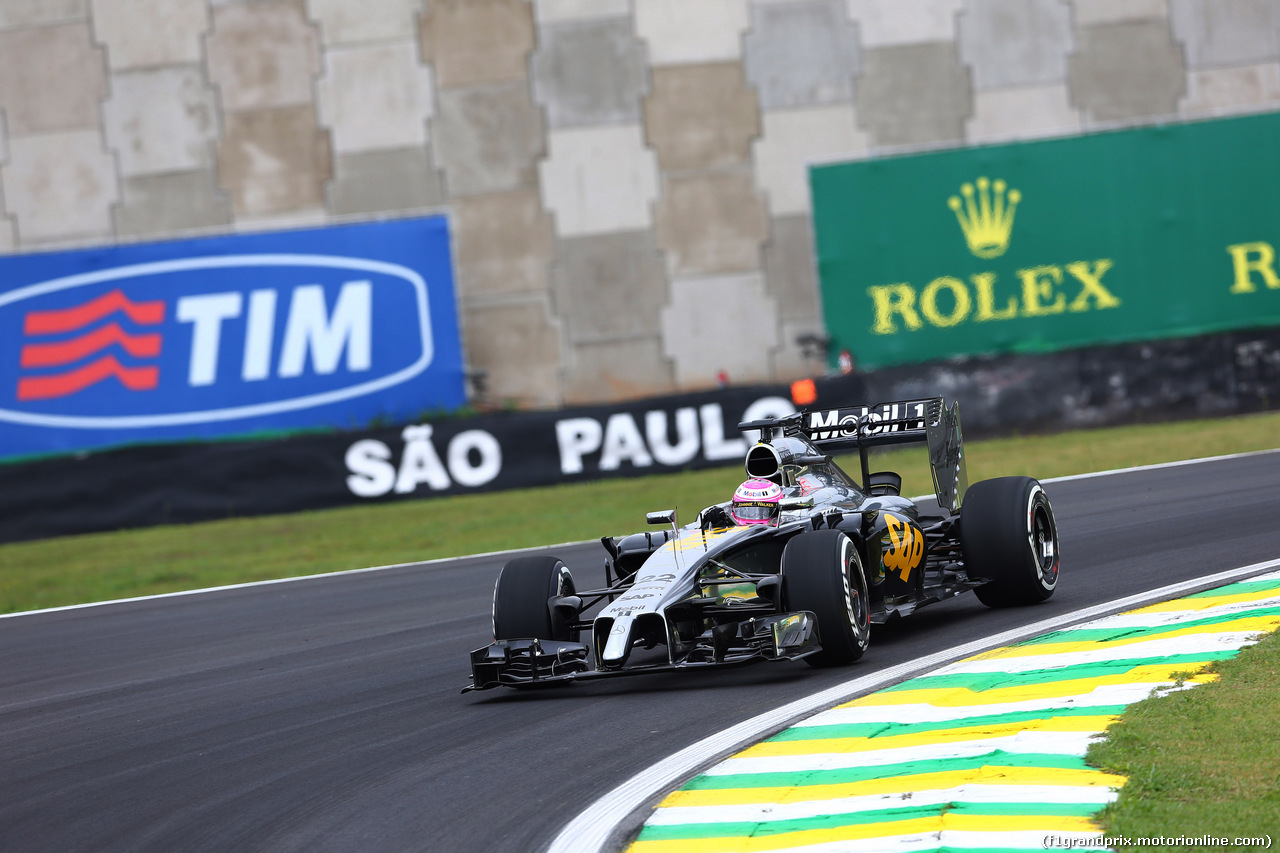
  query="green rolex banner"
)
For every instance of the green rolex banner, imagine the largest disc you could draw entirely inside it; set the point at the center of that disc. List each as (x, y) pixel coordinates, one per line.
(1157, 232)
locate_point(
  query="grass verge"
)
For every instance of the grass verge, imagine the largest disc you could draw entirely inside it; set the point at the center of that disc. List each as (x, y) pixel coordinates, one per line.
(1201, 762)
(103, 566)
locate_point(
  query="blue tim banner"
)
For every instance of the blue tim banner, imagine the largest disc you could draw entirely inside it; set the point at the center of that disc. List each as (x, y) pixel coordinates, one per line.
(227, 336)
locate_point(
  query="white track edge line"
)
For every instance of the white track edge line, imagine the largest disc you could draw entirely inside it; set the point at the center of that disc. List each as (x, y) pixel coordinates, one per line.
(592, 829)
(482, 555)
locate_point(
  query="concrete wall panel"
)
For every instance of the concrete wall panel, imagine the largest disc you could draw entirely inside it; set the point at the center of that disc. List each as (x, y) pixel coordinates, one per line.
(617, 370)
(590, 72)
(679, 31)
(711, 223)
(263, 55)
(503, 244)
(794, 138)
(707, 325)
(170, 35)
(388, 179)
(559, 11)
(1240, 32)
(8, 237)
(1015, 42)
(600, 179)
(890, 23)
(471, 42)
(343, 22)
(375, 96)
(791, 277)
(789, 362)
(701, 116)
(518, 347)
(60, 186)
(1113, 11)
(274, 161)
(1220, 90)
(1127, 70)
(598, 158)
(161, 120)
(913, 94)
(51, 78)
(802, 54)
(487, 138)
(609, 286)
(164, 205)
(1000, 115)
(28, 13)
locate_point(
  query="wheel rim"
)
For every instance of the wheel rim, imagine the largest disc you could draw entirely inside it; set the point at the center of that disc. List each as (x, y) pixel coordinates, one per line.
(1044, 547)
(855, 602)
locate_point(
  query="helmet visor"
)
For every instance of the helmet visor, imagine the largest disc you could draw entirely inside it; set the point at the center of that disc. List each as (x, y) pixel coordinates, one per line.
(761, 511)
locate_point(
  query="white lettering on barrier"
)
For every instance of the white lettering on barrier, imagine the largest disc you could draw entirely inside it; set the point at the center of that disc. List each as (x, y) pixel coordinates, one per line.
(686, 446)
(620, 439)
(474, 458)
(576, 437)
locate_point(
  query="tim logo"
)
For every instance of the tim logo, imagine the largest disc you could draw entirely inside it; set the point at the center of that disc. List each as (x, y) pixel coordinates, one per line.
(210, 339)
(86, 358)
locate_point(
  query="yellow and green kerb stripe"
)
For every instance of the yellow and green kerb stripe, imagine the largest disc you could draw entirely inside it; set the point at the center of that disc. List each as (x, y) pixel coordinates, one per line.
(986, 754)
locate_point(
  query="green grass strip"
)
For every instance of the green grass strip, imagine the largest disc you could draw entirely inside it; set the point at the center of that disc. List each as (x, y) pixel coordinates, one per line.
(1101, 635)
(847, 775)
(747, 829)
(1203, 761)
(872, 730)
(980, 681)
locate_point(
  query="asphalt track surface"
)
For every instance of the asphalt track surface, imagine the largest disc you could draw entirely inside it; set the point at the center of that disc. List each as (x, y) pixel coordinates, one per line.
(325, 714)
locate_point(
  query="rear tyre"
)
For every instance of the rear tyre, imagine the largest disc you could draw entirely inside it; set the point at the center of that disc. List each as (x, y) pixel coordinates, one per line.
(523, 597)
(1009, 535)
(822, 573)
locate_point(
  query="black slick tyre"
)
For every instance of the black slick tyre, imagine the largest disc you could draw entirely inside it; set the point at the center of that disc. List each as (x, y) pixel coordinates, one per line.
(822, 573)
(523, 598)
(1009, 535)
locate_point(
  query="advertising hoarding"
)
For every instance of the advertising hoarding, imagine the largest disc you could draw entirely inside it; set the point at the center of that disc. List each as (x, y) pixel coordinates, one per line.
(326, 327)
(1130, 235)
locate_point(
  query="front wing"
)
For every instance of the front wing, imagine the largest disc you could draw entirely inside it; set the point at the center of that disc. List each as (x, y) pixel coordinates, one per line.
(534, 662)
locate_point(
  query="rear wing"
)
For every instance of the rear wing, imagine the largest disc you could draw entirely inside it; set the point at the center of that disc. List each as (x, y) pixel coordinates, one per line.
(928, 421)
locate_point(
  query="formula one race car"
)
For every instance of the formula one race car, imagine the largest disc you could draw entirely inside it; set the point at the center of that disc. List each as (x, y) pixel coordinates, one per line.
(798, 566)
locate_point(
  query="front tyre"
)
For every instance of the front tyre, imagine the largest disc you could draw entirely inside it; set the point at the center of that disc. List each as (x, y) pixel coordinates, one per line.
(523, 597)
(1008, 534)
(822, 573)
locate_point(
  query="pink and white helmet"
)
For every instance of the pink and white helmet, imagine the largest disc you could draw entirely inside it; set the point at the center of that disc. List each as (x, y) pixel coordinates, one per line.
(756, 502)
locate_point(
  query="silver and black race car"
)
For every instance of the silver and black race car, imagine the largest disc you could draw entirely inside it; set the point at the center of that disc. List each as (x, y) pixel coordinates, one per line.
(841, 555)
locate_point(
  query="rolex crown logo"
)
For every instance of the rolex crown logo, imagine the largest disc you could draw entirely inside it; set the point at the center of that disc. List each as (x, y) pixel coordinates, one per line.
(986, 220)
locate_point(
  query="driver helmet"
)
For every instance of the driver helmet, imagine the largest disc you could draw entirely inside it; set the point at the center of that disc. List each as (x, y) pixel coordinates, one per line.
(756, 501)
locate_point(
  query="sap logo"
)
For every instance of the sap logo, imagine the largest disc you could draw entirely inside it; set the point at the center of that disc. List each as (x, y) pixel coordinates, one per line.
(620, 439)
(210, 339)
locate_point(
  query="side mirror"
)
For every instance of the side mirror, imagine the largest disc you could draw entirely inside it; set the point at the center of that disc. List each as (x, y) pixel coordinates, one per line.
(663, 516)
